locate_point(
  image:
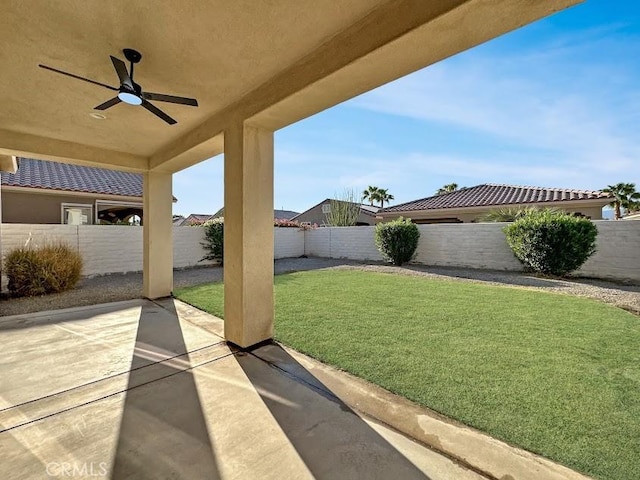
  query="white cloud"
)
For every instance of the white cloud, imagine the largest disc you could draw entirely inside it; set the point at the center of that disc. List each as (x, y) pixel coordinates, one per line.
(556, 104)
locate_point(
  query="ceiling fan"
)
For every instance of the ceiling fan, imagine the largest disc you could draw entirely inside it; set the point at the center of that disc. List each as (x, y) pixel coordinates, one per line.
(129, 91)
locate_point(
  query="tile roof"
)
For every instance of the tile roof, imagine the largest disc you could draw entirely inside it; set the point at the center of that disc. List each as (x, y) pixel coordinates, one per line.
(284, 214)
(490, 194)
(277, 214)
(369, 209)
(196, 218)
(73, 178)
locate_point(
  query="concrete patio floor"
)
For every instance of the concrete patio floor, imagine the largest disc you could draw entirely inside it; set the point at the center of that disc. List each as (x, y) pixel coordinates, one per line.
(149, 390)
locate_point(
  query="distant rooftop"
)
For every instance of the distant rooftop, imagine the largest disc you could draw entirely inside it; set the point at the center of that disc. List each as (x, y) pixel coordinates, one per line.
(277, 214)
(490, 194)
(72, 178)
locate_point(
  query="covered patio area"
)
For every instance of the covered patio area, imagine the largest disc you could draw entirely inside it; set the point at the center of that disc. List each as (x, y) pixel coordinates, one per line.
(153, 389)
(144, 389)
(236, 72)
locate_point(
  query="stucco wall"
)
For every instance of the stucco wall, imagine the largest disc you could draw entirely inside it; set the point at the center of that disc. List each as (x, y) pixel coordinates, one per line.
(315, 215)
(34, 208)
(472, 214)
(38, 208)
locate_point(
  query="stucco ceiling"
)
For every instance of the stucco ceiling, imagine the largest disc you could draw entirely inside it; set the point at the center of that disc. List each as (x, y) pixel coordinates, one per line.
(240, 59)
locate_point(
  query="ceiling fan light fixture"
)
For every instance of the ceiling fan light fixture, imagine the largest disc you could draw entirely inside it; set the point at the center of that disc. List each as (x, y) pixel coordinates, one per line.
(130, 98)
(129, 91)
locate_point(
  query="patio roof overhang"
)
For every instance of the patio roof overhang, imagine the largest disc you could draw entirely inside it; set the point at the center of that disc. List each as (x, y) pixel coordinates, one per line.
(8, 163)
(254, 67)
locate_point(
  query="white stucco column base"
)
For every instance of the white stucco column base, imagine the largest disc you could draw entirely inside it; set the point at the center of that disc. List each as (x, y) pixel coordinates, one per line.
(157, 235)
(248, 235)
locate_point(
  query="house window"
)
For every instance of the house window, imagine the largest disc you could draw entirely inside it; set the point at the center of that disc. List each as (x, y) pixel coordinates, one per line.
(76, 214)
(326, 208)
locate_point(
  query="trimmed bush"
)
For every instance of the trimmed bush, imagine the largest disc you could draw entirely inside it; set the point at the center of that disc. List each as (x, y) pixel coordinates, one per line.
(397, 240)
(551, 242)
(42, 270)
(214, 239)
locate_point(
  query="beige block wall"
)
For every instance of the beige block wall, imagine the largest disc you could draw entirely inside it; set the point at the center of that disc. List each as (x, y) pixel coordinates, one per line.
(483, 246)
(118, 249)
(618, 255)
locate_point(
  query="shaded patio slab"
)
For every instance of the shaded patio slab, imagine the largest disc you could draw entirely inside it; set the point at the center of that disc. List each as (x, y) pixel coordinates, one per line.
(149, 390)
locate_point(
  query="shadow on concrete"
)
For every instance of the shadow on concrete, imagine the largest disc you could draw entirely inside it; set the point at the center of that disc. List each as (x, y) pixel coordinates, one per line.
(47, 317)
(163, 430)
(330, 438)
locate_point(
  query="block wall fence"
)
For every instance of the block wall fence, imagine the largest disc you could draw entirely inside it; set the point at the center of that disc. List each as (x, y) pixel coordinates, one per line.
(483, 246)
(118, 249)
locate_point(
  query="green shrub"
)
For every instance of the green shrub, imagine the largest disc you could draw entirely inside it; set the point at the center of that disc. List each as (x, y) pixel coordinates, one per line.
(214, 239)
(397, 240)
(510, 214)
(552, 243)
(42, 270)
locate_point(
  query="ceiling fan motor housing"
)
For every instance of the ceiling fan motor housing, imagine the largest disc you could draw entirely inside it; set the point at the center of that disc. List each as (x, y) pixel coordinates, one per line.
(132, 55)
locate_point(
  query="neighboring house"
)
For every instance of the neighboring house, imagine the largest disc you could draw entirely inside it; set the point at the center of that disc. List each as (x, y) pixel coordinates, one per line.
(196, 219)
(199, 218)
(50, 192)
(318, 214)
(277, 214)
(632, 216)
(178, 220)
(469, 204)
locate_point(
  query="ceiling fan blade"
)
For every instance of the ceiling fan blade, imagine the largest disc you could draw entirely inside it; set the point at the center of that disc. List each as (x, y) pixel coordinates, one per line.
(156, 111)
(121, 70)
(107, 104)
(160, 97)
(78, 77)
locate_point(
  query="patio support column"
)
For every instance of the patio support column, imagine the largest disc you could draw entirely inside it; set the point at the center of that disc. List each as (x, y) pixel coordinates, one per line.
(248, 234)
(157, 235)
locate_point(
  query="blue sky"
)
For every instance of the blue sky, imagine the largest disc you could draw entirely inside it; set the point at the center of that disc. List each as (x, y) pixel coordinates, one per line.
(554, 104)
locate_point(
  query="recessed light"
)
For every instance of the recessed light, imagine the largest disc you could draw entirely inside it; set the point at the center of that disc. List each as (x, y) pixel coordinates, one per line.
(97, 116)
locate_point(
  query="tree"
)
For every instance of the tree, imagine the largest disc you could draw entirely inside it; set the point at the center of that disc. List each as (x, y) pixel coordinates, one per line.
(344, 211)
(214, 239)
(377, 195)
(370, 194)
(382, 196)
(625, 197)
(448, 188)
(511, 214)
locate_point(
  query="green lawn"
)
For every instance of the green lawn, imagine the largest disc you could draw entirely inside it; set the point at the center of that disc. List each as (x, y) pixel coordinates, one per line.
(557, 375)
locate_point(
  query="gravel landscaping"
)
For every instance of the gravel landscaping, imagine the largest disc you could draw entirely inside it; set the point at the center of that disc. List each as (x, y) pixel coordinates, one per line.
(117, 287)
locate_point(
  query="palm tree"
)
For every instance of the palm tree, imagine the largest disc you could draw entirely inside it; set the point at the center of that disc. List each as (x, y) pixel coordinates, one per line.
(449, 187)
(382, 196)
(625, 196)
(370, 194)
